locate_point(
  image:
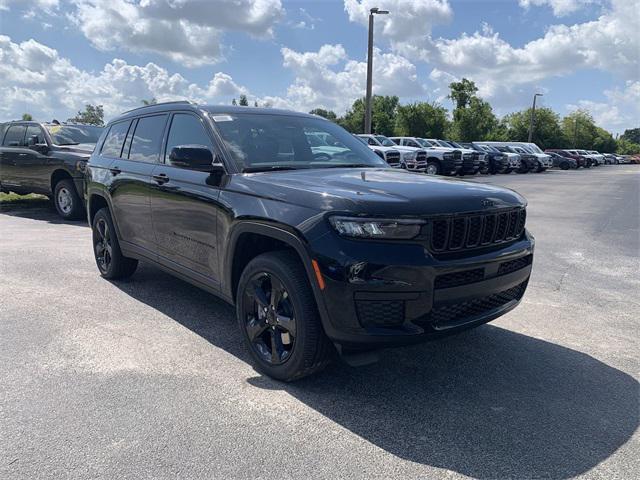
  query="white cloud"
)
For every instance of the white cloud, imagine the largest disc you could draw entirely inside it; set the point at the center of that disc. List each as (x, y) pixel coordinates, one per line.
(47, 5)
(610, 43)
(329, 79)
(409, 19)
(186, 31)
(619, 112)
(560, 7)
(36, 79)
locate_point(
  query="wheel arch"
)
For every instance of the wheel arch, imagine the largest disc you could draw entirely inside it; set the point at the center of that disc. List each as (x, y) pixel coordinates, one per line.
(58, 175)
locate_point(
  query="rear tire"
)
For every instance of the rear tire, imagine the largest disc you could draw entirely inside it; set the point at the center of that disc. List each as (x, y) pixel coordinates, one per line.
(66, 200)
(285, 322)
(111, 263)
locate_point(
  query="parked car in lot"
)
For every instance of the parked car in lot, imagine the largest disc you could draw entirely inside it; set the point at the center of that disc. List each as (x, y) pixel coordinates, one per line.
(598, 156)
(514, 163)
(389, 154)
(536, 159)
(494, 161)
(563, 163)
(440, 161)
(312, 252)
(470, 158)
(411, 159)
(595, 160)
(528, 161)
(581, 160)
(49, 159)
(610, 159)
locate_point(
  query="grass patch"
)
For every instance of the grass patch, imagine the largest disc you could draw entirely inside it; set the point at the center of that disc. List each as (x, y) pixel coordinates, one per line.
(13, 200)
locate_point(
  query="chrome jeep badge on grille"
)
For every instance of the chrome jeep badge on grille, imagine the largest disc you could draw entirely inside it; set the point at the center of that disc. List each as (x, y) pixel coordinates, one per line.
(488, 203)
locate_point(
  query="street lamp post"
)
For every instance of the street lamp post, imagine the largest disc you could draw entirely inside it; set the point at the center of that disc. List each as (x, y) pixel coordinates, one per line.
(367, 108)
(533, 113)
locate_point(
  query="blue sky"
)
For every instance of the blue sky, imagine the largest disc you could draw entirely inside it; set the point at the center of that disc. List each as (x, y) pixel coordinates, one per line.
(59, 54)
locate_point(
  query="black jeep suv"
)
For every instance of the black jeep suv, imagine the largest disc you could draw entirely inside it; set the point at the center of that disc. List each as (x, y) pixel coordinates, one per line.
(318, 253)
(47, 158)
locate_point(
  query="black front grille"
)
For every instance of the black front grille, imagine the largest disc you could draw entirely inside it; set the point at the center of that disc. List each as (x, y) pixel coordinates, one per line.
(454, 233)
(421, 159)
(456, 279)
(393, 158)
(469, 162)
(441, 316)
(513, 265)
(380, 312)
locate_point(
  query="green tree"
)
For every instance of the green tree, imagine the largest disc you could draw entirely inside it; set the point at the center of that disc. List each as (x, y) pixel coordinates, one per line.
(462, 92)
(604, 141)
(153, 101)
(328, 114)
(234, 102)
(383, 118)
(579, 129)
(632, 135)
(547, 132)
(421, 119)
(243, 101)
(626, 147)
(92, 115)
(27, 117)
(476, 121)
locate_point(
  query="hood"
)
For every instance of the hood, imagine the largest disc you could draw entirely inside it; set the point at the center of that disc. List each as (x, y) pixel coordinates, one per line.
(375, 191)
(402, 148)
(383, 149)
(83, 149)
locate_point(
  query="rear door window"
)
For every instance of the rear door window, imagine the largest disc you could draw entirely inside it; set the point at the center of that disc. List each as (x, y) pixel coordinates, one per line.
(112, 145)
(147, 139)
(15, 136)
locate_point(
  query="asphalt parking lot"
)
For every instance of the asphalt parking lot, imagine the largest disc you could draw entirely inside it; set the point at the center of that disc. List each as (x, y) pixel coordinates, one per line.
(148, 378)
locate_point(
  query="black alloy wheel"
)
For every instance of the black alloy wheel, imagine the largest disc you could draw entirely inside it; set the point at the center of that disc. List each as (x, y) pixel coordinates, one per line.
(270, 320)
(103, 245)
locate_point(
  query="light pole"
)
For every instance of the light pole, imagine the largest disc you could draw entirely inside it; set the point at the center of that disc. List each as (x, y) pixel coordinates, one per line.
(367, 106)
(533, 113)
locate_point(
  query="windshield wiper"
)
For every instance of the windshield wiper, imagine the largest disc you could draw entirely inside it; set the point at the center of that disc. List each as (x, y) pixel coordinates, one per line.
(272, 168)
(70, 143)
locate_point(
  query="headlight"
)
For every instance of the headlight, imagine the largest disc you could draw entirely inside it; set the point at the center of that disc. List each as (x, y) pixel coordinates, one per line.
(410, 156)
(391, 229)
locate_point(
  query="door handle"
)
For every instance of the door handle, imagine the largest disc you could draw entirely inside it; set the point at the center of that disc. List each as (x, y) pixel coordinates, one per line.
(160, 178)
(115, 171)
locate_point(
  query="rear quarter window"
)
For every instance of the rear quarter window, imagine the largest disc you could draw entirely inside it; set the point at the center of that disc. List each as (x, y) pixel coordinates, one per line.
(112, 146)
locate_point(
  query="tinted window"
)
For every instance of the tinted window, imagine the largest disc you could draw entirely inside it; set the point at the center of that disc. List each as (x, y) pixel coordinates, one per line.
(186, 130)
(15, 136)
(112, 145)
(74, 134)
(35, 130)
(264, 141)
(145, 146)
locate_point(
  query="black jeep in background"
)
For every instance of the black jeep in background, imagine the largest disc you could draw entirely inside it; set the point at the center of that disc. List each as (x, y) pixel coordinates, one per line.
(47, 158)
(319, 251)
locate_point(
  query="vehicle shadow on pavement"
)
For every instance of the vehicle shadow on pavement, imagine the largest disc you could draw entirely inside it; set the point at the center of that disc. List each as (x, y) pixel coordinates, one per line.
(488, 403)
(40, 210)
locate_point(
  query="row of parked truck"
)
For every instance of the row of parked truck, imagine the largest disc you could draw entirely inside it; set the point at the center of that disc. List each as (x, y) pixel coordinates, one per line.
(446, 157)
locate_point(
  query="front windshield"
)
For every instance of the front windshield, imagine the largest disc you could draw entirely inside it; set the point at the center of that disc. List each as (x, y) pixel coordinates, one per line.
(534, 148)
(455, 145)
(74, 134)
(442, 143)
(582, 152)
(384, 141)
(424, 143)
(260, 142)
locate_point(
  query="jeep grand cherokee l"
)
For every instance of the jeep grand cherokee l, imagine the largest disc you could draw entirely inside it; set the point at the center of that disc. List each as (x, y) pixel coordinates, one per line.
(47, 158)
(318, 254)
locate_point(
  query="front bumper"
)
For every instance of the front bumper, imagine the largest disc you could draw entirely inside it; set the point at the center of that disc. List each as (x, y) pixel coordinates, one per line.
(382, 295)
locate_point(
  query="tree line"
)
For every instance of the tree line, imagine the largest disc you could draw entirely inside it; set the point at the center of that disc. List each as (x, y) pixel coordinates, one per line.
(473, 119)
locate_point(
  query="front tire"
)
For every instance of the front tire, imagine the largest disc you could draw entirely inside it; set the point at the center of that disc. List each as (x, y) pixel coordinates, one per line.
(278, 317)
(67, 201)
(111, 263)
(433, 168)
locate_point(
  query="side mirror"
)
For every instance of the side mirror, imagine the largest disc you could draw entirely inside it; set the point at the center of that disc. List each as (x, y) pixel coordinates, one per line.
(192, 157)
(32, 140)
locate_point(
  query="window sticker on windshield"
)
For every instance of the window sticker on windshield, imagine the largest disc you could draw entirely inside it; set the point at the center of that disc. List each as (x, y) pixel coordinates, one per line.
(222, 118)
(55, 128)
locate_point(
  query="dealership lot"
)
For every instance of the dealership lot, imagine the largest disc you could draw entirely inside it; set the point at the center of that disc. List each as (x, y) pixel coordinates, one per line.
(148, 378)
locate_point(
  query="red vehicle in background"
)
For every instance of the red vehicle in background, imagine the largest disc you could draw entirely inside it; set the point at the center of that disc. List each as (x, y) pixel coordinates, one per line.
(581, 160)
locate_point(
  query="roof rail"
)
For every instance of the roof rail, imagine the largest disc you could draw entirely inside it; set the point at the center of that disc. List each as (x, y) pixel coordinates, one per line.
(184, 102)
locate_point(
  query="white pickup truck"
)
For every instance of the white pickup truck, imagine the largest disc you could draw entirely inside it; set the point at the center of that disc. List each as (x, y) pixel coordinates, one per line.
(440, 160)
(411, 159)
